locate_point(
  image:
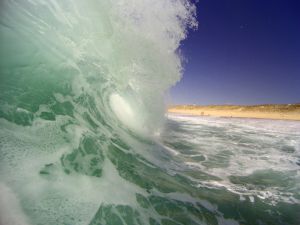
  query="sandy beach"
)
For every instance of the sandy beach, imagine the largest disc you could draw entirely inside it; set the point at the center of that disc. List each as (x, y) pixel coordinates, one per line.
(281, 112)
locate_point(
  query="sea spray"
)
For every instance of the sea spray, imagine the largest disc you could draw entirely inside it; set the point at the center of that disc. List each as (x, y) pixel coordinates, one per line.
(82, 83)
(96, 47)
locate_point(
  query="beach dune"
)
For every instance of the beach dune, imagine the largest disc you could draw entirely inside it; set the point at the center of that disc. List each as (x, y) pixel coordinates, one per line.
(267, 111)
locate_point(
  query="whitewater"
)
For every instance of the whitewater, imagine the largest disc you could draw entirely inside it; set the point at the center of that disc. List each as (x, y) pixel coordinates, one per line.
(84, 138)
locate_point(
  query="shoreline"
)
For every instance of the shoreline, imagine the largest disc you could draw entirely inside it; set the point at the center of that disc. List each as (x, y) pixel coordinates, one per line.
(274, 112)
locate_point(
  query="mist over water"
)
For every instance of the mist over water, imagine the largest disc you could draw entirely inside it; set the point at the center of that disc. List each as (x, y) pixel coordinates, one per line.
(82, 135)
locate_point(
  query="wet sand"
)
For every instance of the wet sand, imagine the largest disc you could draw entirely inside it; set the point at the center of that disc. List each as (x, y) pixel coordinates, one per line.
(281, 112)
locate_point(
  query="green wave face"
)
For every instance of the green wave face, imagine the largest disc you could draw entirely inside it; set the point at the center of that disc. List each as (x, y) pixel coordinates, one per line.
(82, 86)
(81, 109)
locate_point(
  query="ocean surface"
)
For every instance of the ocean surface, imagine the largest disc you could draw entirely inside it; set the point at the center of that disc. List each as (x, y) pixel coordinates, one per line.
(84, 139)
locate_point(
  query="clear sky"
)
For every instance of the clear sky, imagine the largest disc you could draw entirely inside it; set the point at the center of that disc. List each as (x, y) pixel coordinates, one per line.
(244, 52)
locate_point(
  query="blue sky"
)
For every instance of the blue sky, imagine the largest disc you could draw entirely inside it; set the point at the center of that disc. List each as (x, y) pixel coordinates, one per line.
(244, 52)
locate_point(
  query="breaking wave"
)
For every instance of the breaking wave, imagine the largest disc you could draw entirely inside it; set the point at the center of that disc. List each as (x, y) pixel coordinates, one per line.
(81, 113)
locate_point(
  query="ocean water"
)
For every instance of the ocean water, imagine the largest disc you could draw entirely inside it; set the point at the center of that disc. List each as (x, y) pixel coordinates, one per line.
(83, 135)
(247, 168)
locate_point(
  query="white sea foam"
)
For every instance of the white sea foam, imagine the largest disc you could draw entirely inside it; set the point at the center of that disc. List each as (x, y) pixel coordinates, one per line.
(241, 147)
(83, 72)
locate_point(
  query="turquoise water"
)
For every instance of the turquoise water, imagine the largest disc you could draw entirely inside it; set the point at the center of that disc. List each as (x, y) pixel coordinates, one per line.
(84, 139)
